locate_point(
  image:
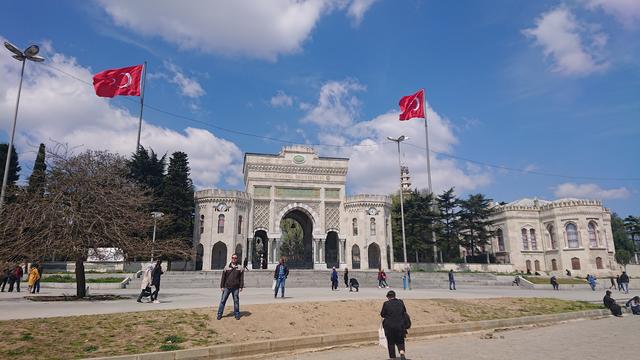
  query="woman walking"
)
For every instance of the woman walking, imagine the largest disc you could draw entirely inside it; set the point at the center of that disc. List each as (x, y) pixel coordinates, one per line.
(346, 277)
(155, 281)
(395, 324)
(34, 276)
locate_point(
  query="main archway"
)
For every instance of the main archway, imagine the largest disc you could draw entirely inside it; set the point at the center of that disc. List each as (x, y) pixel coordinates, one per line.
(299, 252)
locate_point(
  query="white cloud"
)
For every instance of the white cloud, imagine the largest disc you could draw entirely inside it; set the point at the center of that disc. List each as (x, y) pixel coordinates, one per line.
(336, 105)
(189, 87)
(625, 11)
(576, 49)
(57, 108)
(263, 29)
(590, 191)
(280, 99)
(373, 164)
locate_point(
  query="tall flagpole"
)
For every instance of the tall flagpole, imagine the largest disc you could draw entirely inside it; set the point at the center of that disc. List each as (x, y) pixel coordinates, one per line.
(144, 80)
(426, 133)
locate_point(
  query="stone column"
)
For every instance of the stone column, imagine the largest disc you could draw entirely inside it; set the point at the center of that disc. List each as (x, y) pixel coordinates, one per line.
(314, 245)
(321, 251)
(341, 251)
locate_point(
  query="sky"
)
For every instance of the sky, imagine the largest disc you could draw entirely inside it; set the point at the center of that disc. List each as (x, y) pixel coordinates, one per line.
(525, 99)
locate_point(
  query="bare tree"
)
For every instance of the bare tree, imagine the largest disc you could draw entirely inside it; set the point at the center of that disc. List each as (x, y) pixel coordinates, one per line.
(90, 203)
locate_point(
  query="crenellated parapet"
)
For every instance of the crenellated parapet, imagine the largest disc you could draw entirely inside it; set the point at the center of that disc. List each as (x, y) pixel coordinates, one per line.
(365, 201)
(219, 195)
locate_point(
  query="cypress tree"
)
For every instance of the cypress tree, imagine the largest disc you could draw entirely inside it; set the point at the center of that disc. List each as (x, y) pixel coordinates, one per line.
(14, 164)
(37, 178)
(448, 218)
(177, 199)
(147, 169)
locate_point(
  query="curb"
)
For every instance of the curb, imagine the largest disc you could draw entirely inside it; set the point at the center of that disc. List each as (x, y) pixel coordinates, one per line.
(327, 340)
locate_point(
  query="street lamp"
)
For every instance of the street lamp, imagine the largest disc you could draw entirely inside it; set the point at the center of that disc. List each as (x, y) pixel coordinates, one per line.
(31, 53)
(155, 215)
(404, 241)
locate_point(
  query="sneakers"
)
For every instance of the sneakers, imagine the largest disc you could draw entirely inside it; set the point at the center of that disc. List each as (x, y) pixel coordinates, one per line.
(218, 317)
(237, 317)
(140, 301)
(156, 301)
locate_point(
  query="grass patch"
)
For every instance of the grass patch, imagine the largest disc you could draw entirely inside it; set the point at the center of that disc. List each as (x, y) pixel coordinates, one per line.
(90, 348)
(541, 280)
(72, 279)
(169, 347)
(26, 337)
(173, 339)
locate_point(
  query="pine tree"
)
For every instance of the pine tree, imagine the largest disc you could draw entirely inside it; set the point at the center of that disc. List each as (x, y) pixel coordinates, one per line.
(148, 170)
(14, 164)
(448, 218)
(38, 175)
(177, 199)
(419, 221)
(475, 223)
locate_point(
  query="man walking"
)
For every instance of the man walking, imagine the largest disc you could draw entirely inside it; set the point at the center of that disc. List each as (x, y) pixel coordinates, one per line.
(346, 277)
(280, 275)
(452, 280)
(624, 282)
(231, 283)
(334, 279)
(17, 274)
(394, 324)
(554, 283)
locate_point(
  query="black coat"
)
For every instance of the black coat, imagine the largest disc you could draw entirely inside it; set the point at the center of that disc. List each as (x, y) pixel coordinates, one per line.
(155, 275)
(608, 301)
(624, 278)
(393, 312)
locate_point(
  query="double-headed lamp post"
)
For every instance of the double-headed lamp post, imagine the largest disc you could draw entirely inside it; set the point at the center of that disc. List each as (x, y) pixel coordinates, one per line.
(404, 241)
(30, 53)
(155, 215)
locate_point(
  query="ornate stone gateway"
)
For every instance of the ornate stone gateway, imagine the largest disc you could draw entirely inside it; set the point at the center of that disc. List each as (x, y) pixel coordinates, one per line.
(295, 185)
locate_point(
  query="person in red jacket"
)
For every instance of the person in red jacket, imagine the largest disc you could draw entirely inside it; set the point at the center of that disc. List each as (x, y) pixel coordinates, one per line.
(17, 276)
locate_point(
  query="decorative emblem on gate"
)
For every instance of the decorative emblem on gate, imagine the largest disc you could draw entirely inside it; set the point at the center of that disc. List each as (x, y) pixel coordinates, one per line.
(299, 159)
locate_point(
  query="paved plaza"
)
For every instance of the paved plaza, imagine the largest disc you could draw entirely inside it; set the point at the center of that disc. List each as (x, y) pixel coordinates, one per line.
(616, 339)
(14, 306)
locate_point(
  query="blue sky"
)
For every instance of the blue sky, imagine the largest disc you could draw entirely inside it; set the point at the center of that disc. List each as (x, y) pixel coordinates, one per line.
(547, 87)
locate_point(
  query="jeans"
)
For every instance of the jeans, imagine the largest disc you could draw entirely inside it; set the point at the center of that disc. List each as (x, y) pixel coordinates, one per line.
(593, 286)
(452, 285)
(625, 287)
(236, 301)
(394, 338)
(279, 285)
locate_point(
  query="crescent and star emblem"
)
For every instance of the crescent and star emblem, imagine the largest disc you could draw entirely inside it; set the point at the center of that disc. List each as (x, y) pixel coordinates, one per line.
(417, 104)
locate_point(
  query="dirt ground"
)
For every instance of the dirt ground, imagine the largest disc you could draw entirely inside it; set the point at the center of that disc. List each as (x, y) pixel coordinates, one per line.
(125, 333)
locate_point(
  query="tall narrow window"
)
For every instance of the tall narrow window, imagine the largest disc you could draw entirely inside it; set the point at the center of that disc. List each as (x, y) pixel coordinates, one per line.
(599, 263)
(239, 224)
(525, 240)
(554, 265)
(534, 242)
(536, 265)
(500, 236)
(355, 226)
(528, 263)
(201, 224)
(575, 263)
(552, 237)
(593, 239)
(386, 227)
(220, 224)
(372, 227)
(572, 236)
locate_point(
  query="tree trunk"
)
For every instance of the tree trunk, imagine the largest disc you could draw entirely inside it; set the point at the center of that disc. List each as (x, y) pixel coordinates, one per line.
(81, 287)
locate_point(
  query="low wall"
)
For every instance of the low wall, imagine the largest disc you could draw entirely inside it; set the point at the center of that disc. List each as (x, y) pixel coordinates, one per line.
(111, 266)
(496, 268)
(633, 270)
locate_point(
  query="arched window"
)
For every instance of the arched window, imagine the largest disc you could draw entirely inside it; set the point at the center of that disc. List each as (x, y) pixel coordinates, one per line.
(386, 227)
(372, 227)
(500, 237)
(220, 224)
(355, 226)
(528, 262)
(534, 242)
(552, 237)
(239, 224)
(593, 239)
(575, 263)
(572, 236)
(599, 263)
(525, 240)
(536, 265)
(554, 265)
(201, 224)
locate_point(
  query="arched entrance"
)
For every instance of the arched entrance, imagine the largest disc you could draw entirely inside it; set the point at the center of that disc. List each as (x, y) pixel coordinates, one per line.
(374, 256)
(297, 238)
(199, 253)
(218, 256)
(355, 257)
(331, 250)
(260, 250)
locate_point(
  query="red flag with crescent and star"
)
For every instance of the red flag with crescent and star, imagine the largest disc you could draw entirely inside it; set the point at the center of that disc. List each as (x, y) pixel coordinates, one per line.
(124, 81)
(412, 106)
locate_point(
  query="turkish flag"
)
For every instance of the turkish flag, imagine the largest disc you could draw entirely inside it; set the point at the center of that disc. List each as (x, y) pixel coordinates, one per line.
(412, 106)
(124, 81)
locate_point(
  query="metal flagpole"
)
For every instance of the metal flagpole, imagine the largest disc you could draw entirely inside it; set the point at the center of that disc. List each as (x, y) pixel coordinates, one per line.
(404, 241)
(426, 133)
(144, 80)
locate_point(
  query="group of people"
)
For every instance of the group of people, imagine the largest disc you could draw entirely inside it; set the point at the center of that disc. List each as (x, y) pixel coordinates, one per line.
(632, 304)
(621, 282)
(12, 275)
(151, 277)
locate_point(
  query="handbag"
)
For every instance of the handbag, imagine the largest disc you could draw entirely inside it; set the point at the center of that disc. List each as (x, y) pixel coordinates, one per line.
(407, 321)
(382, 338)
(275, 282)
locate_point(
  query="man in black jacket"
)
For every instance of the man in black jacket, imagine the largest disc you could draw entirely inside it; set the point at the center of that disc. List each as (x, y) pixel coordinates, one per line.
(394, 324)
(155, 280)
(280, 276)
(610, 303)
(624, 282)
(232, 283)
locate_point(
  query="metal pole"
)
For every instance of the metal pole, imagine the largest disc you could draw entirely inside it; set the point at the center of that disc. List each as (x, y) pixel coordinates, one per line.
(153, 240)
(404, 241)
(5, 178)
(144, 80)
(426, 136)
